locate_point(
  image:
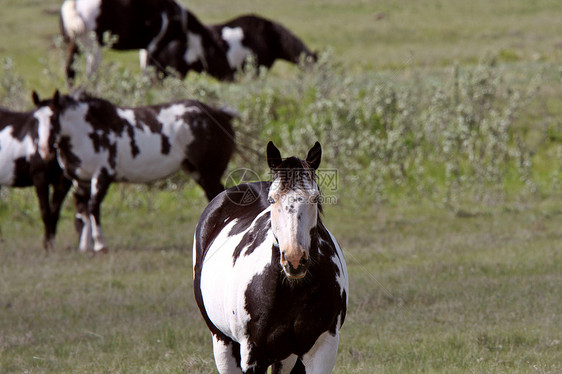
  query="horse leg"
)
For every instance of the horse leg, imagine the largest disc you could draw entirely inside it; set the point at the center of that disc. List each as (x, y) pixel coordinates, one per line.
(227, 356)
(57, 198)
(321, 358)
(210, 182)
(99, 187)
(71, 51)
(42, 191)
(286, 366)
(82, 218)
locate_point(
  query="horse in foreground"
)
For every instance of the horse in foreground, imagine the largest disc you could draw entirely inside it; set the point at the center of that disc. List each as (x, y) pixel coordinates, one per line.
(99, 143)
(26, 160)
(269, 278)
(147, 25)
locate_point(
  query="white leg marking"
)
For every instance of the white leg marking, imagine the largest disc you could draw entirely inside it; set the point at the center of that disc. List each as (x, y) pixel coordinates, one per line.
(322, 356)
(86, 234)
(97, 234)
(143, 58)
(225, 361)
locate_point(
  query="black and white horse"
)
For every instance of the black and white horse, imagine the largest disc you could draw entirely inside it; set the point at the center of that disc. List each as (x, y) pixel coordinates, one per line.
(26, 160)
(99, 143)
(249, 35)
(266, 40)
(269, 279)
(147, 25)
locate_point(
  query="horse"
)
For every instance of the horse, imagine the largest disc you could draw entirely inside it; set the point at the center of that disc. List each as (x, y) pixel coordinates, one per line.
(26, 160)
(242, 37)
(99, 143)
(270, 280)
(147, 25)
(265, 39)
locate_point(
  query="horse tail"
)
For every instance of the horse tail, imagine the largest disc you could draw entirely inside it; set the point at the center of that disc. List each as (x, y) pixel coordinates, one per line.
(291, 46)
(72, 23)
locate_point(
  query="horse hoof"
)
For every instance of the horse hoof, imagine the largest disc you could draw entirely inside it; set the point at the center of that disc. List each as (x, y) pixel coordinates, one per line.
(102, 251)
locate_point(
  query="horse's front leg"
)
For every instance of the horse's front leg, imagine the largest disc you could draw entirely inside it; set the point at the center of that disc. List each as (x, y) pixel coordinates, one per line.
(99, 187)
(59, 193)
(227, 356)
(42, 191)
(322, 356)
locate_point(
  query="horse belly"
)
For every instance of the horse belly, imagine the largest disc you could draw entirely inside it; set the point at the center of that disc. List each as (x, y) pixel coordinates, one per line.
(150, 163)
(223, 285)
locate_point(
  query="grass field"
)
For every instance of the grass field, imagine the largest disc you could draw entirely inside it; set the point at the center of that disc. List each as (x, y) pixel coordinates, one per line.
(453, 238)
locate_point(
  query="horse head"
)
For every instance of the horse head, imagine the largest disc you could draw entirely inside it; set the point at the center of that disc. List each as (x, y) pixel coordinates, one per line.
(294, 199)
(47, 114)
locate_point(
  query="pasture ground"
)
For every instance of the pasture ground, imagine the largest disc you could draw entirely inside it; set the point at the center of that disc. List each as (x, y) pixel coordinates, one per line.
(470, 289)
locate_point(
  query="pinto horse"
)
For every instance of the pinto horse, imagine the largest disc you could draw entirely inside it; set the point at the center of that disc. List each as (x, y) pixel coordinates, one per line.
(26, 160)
(269, 279)
(147, 25)
(242, 37)
(99, 143)
(265, 39)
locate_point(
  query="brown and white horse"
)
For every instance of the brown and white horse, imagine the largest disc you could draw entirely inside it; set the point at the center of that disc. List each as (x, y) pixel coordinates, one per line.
(26, 160)
(269, 279)
(147, 25)
(99, 143)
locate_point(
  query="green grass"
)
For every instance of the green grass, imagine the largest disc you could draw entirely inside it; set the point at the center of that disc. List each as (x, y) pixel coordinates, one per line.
(430, 292)
(449, 275)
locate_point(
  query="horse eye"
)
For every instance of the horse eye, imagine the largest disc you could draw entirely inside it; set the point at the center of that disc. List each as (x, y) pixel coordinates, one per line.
(314, 199)
(270, 200)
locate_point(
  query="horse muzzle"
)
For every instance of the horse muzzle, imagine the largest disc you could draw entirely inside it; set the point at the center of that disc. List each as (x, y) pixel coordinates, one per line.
(295, 265)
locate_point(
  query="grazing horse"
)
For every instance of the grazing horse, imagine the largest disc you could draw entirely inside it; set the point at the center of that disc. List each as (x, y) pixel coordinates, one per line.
(99, 143)
(242, 37)
(266, 40)
(26, 160)
(147, 25)
(269, 278)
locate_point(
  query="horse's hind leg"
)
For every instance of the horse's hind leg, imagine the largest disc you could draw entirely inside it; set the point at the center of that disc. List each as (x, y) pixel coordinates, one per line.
(209, 181)
(71, 51)
(99, 187)
(82, 218)
(227, 356)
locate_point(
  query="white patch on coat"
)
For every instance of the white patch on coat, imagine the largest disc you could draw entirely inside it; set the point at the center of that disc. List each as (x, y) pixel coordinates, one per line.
(43, 116)
(89, 10)
(194, 50)
(224, 295)
(237, 53)
(72, 21)
(10, 150)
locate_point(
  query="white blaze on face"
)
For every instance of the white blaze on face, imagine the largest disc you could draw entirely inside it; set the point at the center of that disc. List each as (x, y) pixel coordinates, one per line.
(237, 53)
(43, 116)
(293, 215)
(194, 48)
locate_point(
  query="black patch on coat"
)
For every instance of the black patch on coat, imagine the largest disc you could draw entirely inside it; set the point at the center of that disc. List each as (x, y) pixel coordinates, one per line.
(253, 238)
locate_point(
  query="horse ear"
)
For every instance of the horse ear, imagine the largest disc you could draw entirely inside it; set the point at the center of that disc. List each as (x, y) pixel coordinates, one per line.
(273, 156)
(314, 156)
(35, 98)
